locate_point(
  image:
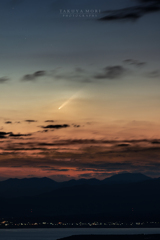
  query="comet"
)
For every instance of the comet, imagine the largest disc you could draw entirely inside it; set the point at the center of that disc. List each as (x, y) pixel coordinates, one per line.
(70, 99)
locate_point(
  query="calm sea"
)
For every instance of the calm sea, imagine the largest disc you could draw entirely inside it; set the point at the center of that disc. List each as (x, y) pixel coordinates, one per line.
(56, 233)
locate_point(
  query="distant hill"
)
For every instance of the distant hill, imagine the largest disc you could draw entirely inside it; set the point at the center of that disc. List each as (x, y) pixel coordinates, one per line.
(126, 178)
(34, 186)
(131, 201)
(14, 187)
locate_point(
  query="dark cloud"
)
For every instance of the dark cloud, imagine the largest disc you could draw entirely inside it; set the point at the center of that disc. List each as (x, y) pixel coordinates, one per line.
(10, 134)
(39, 74)
(93, 141)
(34, 76)
(18, 135)
(135, 63)
(62, 170)
(155, 141)
(30, 121)
(112, 72)
(57, 169)
(43, 131)
(49, 121)
(3, 134)
(4, 79)
(8, 122)
(123, 145)
(57, 126)
(23, 149)
(47, 144)
(133, 13)
(76, 126)
(72, 142)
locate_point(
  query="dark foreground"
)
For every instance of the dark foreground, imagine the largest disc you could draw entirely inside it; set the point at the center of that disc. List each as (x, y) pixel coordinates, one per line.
(114, 237)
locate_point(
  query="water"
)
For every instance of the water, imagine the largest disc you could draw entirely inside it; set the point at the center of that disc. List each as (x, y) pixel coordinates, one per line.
(56, 233)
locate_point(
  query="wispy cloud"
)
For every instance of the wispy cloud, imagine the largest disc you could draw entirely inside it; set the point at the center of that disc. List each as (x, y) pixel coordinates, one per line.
(83, 155)
(34, 76)
(76, 125)
(4, 79)
(132, 13)
(134, 62)
(111, 72)
(49, 121)
(154, 74)
(30, 121)
(19, 135)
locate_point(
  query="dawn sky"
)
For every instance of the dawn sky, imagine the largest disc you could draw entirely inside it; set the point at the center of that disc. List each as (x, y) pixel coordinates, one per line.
(96, 60)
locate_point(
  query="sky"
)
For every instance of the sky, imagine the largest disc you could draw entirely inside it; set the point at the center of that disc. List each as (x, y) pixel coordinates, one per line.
(79, 88)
